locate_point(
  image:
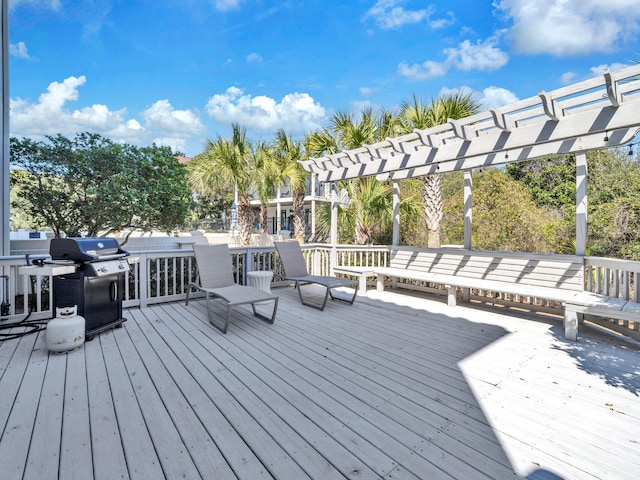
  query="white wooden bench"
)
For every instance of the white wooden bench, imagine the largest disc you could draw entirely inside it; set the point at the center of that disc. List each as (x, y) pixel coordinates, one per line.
(553, 277)
(361, 273)
(612, 291)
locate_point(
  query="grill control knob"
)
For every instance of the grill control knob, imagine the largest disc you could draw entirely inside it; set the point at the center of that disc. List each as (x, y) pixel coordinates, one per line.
(122, 266)
(104, 269)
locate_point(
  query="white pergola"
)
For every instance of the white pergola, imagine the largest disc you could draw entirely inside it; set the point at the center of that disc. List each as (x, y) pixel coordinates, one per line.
(597, 113)
(4, 126)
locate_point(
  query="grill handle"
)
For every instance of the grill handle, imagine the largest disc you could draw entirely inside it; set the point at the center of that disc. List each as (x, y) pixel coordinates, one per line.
(114, 256)
(114, 291)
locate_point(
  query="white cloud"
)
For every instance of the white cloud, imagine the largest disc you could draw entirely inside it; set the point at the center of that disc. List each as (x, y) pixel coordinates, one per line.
(480, 56)
(367, 90)
(496, 97)
(571, 27)
(443, 22)
(599, 69)
(423, 71)
(19, 50)
(254, 57)
(162, 116)
(388, 14)
(53, 4)
(568, 78)
(483, 55)
(296, 112)
(572, 77)
(50, 115)
(489, 97)
(226, 5)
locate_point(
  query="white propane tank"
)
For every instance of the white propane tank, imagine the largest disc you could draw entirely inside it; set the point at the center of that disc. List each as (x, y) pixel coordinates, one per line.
(66, 331)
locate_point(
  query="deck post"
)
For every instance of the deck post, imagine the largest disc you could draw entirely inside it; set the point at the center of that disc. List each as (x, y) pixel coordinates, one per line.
(581, 203)
(4, 143)
(396, 214)
(334, 227)
(468, 197)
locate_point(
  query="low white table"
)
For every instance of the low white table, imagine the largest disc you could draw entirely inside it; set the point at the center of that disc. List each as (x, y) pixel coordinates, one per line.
(260, 279)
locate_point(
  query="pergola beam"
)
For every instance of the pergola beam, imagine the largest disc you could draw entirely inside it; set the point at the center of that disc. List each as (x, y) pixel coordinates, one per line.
(572, 119)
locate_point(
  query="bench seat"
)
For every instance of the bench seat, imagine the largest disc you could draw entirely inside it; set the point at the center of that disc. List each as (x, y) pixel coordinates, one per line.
(451, 282)
(362, 273)
(557, 278)
(587, 303)
(551, 277)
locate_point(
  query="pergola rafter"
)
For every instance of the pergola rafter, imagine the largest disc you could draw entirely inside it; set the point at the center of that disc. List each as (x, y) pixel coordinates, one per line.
(597, 113)
(572, 119)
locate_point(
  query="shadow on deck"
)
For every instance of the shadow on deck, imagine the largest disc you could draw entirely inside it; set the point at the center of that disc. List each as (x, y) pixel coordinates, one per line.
(395, 386)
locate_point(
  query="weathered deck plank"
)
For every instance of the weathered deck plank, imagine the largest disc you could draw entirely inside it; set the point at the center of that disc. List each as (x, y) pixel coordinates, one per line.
(248, 405)
(395, 386)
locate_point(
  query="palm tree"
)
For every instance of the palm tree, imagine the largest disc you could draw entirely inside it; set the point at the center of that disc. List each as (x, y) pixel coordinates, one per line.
(370, 201)
(420, 115)
(227, 162)
(289, 170)
(263, 160)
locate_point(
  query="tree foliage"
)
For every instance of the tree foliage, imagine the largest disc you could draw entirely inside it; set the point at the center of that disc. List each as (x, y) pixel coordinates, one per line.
(614, 205)
(419, 114)
(551, 181)
(225, 162)
(90, 185)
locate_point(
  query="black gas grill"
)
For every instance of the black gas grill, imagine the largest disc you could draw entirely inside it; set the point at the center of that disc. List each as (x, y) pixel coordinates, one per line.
(97, 285)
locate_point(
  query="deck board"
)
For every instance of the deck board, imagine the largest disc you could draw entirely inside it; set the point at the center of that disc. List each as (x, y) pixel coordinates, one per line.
(396, 386)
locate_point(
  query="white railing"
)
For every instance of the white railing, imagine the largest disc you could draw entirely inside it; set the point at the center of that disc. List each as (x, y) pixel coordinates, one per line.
(163, 275)
(613, 277)
(158, 276)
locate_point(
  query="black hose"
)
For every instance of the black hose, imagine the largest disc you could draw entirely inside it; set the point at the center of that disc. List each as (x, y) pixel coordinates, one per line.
(30, 326)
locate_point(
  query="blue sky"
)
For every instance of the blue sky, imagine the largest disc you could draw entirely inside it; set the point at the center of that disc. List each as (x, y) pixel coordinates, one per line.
(176, 72)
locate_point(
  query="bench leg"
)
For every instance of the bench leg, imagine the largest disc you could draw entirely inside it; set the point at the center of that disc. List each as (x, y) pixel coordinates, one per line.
(362, 283)
(465, 294)
(451, 295)
(380, 283)
(570, 324)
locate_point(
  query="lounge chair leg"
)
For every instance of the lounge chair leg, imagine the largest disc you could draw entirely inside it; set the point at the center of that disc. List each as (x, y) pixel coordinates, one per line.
(186, 302)
(212, 316)
(347, 300)
(265, 317)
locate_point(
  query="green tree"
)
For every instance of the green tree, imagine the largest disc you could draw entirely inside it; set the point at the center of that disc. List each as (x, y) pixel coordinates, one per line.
(614, 204)
(19, 217)
(263, 158)
(417, 114)
(289, 171)
(551, 181)
(506, 217)
(90, 185)
(227, 162)
(368, 215)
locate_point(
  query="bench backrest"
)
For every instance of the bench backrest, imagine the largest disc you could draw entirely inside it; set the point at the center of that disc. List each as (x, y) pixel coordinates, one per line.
(557, 271)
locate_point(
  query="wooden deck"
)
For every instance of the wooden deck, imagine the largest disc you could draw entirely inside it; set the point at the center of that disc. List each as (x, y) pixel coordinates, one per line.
(395, 386)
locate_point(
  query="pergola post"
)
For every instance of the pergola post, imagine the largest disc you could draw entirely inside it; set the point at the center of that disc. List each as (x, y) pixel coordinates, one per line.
(396, 214)
(314, 178)
(4, 143)
(278, 211)
(334, 227)
(581, 203)
(468, 208)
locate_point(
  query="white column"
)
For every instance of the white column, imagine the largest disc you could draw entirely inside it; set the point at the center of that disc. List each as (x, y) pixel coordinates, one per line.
(581, 203)
(396, 214)
(4, 142)
(314, 178)
(334, 226)
(278, 211)
(468, 208)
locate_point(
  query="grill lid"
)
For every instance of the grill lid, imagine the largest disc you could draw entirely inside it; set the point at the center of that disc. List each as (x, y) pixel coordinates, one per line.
(85, 249)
